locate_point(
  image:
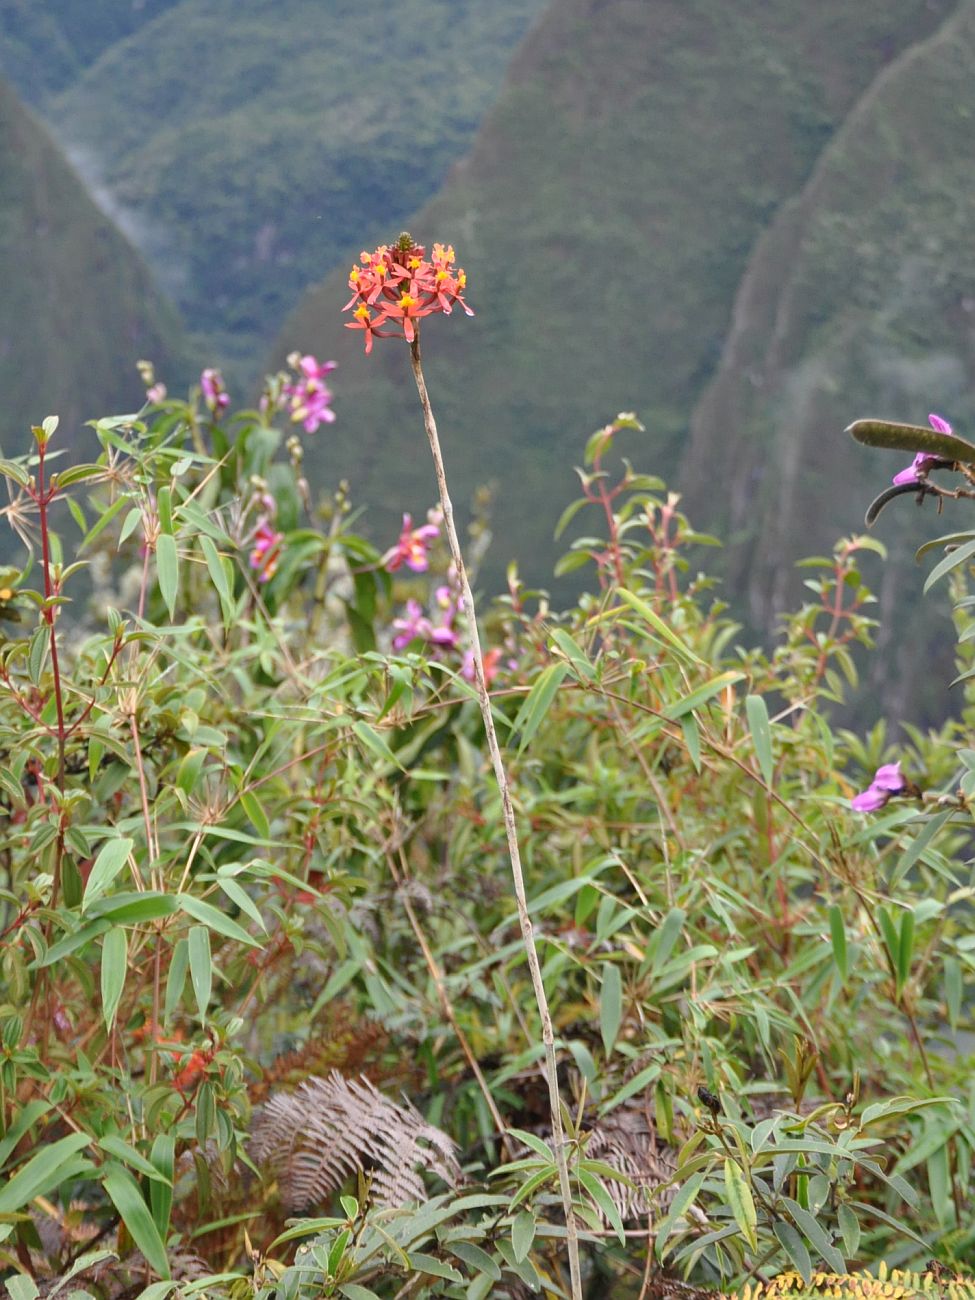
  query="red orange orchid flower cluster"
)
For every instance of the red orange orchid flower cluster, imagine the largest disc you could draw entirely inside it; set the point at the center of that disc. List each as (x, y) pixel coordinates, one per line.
(397, 285)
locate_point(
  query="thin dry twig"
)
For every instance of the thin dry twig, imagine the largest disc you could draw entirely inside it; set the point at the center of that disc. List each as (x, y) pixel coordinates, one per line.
(511, 832)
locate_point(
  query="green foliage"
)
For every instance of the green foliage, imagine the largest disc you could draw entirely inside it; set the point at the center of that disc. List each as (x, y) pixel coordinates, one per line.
(245, 843)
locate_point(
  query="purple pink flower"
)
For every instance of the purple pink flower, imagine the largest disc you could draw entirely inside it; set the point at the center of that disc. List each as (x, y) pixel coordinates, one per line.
(214, 394)
(401, 285)
(309, 399)
(418, 626)
(888, 781)
(924, 461)
(413, 546)
(266, 549)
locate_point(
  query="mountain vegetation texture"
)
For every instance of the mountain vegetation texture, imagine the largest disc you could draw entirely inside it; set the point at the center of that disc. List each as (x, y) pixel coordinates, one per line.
(78, 305)
(860, 296)
(608, 217)
(244, 146)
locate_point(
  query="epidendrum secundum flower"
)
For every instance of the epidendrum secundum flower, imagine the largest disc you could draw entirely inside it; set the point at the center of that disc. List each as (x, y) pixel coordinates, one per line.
(397, 285)
(923, 461)
(309, 399)
(214, 394)
(266, 549)
(413, 546)
(888, 781)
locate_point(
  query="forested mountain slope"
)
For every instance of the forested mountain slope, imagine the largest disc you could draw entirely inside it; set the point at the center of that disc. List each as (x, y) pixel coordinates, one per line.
(858, 301)
(606, 216)
(242, 145)
(78, 306)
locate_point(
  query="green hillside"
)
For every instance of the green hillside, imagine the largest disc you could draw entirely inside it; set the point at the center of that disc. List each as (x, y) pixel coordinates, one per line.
(860, 300)
(605, 216)
(44, 47)
(78, 306)
(245, 145)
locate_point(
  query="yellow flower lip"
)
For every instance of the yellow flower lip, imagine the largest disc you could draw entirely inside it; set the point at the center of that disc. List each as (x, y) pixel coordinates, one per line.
(407, 301)
(362, 311)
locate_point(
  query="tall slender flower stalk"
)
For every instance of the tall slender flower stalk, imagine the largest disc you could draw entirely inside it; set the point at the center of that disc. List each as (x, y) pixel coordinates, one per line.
(511, 831)
(393, 289)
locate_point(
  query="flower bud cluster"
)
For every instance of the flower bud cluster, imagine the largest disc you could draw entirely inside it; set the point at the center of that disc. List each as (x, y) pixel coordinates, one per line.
(397, 285)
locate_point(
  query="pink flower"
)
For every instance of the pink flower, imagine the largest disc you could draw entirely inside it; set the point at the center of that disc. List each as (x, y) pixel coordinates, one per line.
(214, 394)
(491, 662)
(310, 397)
(413, 546)
(157, 393)
(266, 550)
(418, 626)
(924, 461)
(888, 781)
(415, 625)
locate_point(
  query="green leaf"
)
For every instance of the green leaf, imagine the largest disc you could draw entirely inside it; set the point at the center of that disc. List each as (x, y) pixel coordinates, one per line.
(837, 932)
(218, 576)
(911, 437)
(905, 949)
(810, 1228)
(537, 703)
(201, 967)
(432, 1266)
(41, 1172)
(167, 567)
(127, 1154)
(794, 1247)
(575, 655)
(255, 813)
(26, 1117)
(163, 1160)
(123, 1191)
(374, 741)
(741, 1203)
(115, 958)
(522, 1234)
(702, 694)
(475, 1257)
(681, 1203)
(667, 935)
(176, 979)
(353, 1291)
(653, 620)
(953, 990)
(849, 1228)
(112, 857)
(610, 1005)
(758, 724)
(21, 1287)
(953, 560)
(134, 907)
(603, 1201)
(237, 894)
(215, 919)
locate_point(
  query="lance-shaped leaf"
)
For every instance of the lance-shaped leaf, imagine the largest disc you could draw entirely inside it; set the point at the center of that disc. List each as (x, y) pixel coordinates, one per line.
(911, 437)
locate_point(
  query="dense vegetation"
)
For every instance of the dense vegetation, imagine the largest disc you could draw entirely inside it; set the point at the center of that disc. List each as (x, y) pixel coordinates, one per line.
(256, 893)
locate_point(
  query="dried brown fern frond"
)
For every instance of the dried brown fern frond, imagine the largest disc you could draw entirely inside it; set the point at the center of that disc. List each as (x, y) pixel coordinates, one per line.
(329, 1129)
(627, 1139)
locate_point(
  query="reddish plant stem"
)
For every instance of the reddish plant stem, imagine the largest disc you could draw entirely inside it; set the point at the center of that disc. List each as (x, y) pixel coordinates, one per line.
(44, 498)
